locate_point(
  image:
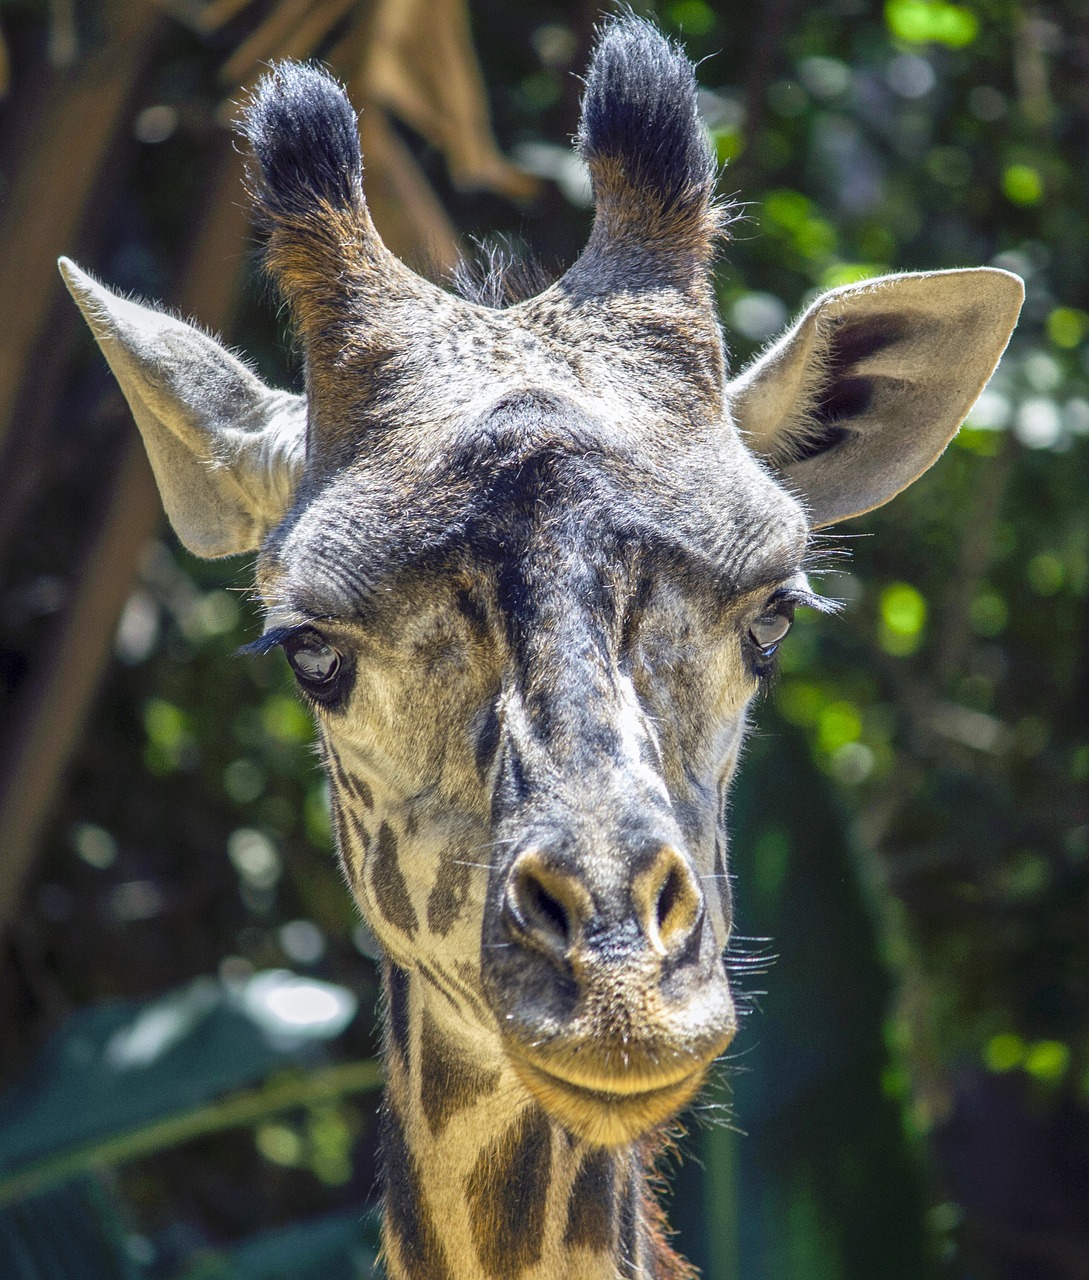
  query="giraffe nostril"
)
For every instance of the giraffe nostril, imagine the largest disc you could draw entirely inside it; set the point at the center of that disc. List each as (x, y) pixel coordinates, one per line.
(545, 912)
(545, 906)
(668, 900)
(672, 904)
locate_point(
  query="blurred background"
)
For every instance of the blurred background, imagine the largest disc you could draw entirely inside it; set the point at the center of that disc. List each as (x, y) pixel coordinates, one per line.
(187, 1007)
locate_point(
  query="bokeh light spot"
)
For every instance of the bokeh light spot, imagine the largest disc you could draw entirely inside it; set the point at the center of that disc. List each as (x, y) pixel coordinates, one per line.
(1022, 184)
(932, 22)
(1004, 1052)
(902, 619)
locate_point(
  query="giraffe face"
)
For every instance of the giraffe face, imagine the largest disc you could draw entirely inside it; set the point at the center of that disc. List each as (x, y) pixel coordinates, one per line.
(531, 672)
(530, 564)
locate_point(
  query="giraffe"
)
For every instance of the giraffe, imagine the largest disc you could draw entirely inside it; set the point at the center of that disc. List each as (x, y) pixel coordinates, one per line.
(530, 563)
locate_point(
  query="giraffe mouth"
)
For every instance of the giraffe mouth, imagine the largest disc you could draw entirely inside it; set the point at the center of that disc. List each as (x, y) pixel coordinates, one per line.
(613, 1110)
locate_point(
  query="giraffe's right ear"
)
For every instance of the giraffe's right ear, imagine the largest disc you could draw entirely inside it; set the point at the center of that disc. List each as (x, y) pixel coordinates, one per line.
(865, 391)
(227, 451)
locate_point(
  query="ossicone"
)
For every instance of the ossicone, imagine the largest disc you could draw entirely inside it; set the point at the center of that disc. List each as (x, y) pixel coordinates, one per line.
(650, 162)
(303, 134)
(321, 247)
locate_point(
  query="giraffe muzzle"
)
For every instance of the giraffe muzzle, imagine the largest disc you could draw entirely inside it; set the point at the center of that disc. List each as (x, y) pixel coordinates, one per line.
(552, 910)
(607, 1117)
(608, 990)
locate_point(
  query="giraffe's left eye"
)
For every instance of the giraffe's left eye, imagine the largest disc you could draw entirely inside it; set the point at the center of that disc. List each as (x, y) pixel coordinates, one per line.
(315, 662)
(769, 630)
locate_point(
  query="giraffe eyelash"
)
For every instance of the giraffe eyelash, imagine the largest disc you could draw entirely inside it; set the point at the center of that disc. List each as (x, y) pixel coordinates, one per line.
(327, 691)
(266, 643)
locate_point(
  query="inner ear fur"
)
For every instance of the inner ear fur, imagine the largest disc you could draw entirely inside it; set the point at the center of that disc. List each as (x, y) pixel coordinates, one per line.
(862, 395)
(227, 450)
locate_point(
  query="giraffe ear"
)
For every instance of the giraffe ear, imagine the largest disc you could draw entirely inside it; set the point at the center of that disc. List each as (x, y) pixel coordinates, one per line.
(227, 451)
(866, 390)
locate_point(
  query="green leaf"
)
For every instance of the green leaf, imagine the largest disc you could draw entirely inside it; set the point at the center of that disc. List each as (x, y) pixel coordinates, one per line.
(338, 1247)
(70, 1233)
(239, 1110)
(118, 1081)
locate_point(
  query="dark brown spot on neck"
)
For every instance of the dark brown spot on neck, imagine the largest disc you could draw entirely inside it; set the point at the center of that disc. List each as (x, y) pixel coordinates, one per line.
(591, 1208)
(397, 1010)
(449, 1080)
(629, 1240)
(390, 888)
(353, 867)
(362, 836)
(437, 983)
(407, 1216)
(447, 897)
(507, 1194)
(470, 985)
(343, 781)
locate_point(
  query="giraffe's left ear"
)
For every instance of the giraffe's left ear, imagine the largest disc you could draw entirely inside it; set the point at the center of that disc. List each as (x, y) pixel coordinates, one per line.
(227, 451)
(866, 390)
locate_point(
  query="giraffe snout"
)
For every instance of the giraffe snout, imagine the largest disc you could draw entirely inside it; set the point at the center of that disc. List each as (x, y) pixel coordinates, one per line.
(657, 909)
(606, 982)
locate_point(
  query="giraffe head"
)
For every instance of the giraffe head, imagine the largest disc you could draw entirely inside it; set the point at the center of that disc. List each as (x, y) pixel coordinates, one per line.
(530, 564)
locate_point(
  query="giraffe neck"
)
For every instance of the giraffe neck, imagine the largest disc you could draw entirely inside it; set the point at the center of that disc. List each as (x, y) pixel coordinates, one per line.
(479, 1183)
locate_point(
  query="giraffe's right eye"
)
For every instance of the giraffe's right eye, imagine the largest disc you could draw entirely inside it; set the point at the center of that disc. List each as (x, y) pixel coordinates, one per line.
(314, 660)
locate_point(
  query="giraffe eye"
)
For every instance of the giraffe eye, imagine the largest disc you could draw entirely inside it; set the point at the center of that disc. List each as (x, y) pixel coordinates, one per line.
(315, 662)
(769, 630)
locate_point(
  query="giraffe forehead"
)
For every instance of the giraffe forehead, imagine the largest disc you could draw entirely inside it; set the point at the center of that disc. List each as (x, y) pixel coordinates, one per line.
(534, 479)
(458, 361)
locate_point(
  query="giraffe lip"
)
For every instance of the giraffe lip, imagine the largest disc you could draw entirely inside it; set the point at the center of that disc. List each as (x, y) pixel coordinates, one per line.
(607, 1116)
(633, 1083)
(644, 1074)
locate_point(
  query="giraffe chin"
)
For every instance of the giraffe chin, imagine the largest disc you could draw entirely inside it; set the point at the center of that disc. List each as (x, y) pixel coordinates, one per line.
(606, 1117)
